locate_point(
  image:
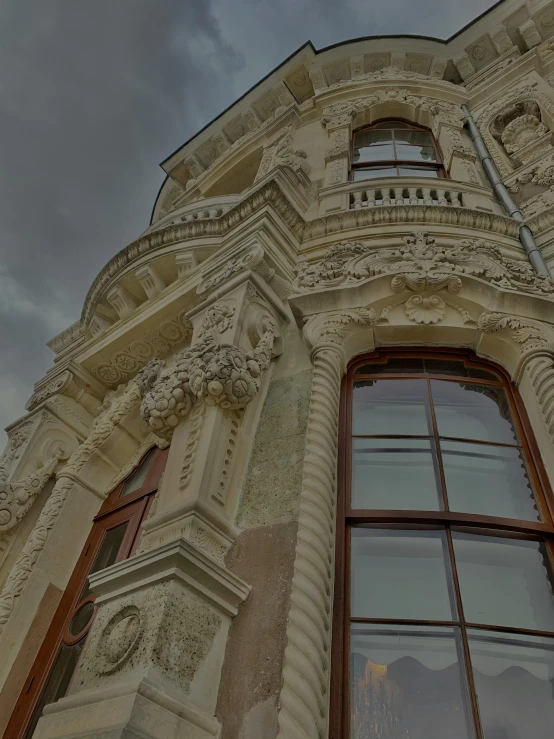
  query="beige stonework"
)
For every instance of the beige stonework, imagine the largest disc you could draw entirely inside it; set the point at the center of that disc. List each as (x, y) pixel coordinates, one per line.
(224, 332)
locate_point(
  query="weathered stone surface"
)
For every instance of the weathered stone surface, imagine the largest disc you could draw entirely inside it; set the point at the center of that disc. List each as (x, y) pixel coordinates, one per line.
(274, 475)
(247, 707)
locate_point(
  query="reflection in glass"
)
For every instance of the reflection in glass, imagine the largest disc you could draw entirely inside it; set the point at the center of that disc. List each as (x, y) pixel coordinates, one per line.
(372, 173)
(388, 407)
(107, 554)
(136, 481)
(505, 582)
(394, 473)
(58, 681)
(487, 480)
(81, 618)
(407, 683)
(472, 412)
(400, 574)
(407, 171)
(514, 680)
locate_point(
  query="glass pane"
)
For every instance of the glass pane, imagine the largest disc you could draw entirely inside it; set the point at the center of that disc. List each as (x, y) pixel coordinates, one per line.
(415, 145)
(400, 574)
(402, 365)
(472, 412)
(432, 365)
(389, 407)
(408, 171)
(392, 124)
(81, 618)
(514, 681)
(58, 681)
(136, 481)
(487, 480)
(408, 683)
(107, 554)
(382, 153)
(505, 582)
(372, 173)
(394, 473)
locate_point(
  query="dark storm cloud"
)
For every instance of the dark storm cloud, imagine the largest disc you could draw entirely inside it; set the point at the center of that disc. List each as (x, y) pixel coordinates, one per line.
(93, 95)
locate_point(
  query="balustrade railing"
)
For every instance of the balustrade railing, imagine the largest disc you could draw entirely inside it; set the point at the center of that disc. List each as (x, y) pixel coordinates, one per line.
(369, 197)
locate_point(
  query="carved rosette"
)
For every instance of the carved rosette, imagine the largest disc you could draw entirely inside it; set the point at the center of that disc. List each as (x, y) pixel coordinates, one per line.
(217, 374)
(304, 693)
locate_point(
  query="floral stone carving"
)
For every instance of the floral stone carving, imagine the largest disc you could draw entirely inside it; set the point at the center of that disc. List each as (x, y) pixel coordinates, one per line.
(218, 374)
(16, 498)
(522, 131)
(421, 264)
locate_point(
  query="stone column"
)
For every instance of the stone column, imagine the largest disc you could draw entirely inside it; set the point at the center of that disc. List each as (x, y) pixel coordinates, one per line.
(337, 120)
(152, 662)
(305, 692)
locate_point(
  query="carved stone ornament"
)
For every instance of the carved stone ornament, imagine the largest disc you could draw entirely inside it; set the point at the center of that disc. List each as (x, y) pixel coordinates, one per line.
(524, 332)
(279, 152)
(425, 310)
(119, 639)
(522, 131)
(218, 374)
(421, 264)
(151, 345)
(16, 498)
(218, 318)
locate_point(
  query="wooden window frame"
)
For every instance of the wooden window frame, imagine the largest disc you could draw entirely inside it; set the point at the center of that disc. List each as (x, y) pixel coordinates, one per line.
(437, 166)
(115, 510)
(339, 726)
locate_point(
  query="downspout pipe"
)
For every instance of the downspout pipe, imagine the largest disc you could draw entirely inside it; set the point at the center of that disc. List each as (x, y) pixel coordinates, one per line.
(525, 234)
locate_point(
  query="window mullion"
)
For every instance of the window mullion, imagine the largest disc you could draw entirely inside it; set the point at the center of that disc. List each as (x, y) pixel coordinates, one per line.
(463, 632)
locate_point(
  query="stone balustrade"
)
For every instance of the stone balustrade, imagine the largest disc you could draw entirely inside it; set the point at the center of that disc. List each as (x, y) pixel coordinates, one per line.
(407, 191)
(200, 210)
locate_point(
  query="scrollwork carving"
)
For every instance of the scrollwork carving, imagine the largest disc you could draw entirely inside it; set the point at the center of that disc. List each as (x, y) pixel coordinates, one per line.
(16, 498)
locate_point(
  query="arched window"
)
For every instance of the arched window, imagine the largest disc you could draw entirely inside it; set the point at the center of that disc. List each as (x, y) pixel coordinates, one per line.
(395, 148)
(114, 536)
(444, 609)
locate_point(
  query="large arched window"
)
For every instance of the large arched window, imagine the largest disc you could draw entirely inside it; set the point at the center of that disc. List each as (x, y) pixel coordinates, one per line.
(444, 611)
(395, 148)
(114, 536)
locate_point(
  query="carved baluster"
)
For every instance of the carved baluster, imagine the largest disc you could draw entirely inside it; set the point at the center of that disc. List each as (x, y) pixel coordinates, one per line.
(386, 196)
(412, 191)
(456, 199)
(370, 198)
(398, 196)
(357, 200)
(427, 198)
(441, 197)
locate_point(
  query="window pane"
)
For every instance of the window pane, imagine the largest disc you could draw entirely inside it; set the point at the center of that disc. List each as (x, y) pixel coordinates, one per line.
(81, 619)
(415, 145)
(505, 582)
(107, 554)
(400, 574)
(136, 481)
(402, 365)
(407, 171)
(514, 680)
(383, 152)
(388, 407)
(408, 683)
(487, 480)
(472, 412)
(58, 681)
(372, 173)
(394, 473)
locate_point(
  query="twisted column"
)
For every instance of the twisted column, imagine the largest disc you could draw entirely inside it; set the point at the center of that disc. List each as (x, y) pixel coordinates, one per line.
(304, 695)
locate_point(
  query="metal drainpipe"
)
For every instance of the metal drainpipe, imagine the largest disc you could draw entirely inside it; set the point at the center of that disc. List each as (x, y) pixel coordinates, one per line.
(525, 234)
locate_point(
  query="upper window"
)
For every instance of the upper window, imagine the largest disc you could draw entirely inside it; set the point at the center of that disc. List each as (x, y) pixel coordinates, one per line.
(445, 603)
(395, 148)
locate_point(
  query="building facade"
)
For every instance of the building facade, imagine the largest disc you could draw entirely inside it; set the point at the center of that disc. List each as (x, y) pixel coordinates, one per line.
(290, 474)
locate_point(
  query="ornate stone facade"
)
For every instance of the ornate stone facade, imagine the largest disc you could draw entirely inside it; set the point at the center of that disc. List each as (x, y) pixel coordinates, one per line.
(223, 334)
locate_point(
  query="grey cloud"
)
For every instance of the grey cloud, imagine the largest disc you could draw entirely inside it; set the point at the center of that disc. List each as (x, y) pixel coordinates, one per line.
(93, 95)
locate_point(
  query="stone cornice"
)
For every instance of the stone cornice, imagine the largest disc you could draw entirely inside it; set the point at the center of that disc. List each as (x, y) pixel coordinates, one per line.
(269, 193)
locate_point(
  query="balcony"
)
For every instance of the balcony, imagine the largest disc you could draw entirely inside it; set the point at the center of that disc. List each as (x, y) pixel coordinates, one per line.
(406, 191)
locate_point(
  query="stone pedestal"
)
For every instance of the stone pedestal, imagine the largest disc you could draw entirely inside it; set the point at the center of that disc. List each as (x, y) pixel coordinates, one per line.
(152, 661)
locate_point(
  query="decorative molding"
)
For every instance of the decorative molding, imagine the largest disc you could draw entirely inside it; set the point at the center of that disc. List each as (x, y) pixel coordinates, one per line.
(421, 264)
(65, 384)
(217, 319)
(18, 497)
(304, 693)
(116, 407)
(540, 368)
(151, 345)
(64, 339)
(196, 419)
(218, 374)
(119, 639)
(279, 152)
(527, 333)
(395, 74)
(235, 419)
(269, 193)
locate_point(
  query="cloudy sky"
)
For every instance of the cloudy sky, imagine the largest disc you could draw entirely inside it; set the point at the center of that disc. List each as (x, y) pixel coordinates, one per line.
(93, 95)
